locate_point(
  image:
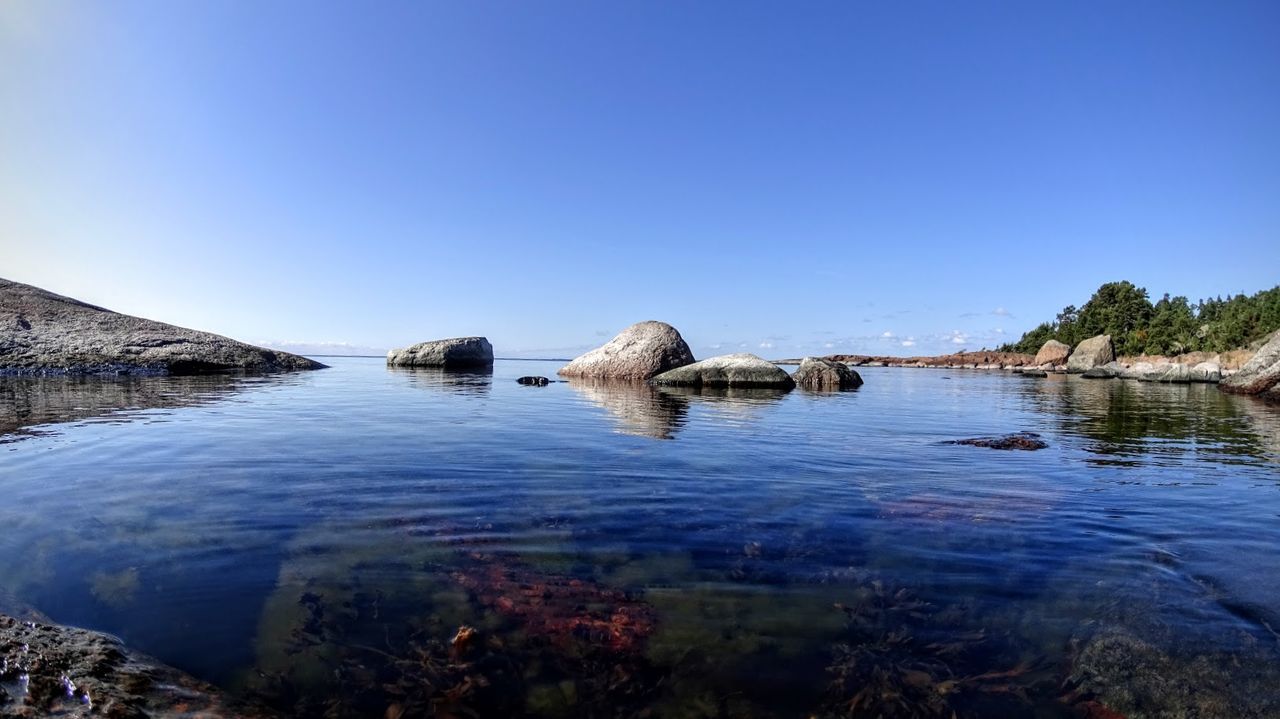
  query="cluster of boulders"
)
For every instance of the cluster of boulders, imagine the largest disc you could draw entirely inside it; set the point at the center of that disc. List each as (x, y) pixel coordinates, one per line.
(655, 351)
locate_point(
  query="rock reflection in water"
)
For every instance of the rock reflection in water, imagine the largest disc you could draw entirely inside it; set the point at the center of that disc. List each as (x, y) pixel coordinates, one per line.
(732, 403)
(31, 401)
(640, 409)
(475, 381)
(1130, 422)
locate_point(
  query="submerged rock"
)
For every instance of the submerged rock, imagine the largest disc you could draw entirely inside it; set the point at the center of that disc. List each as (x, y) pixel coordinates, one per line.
(825, 375)
(1053, 352)
(1091, 353)
(42, 333)
(742, 370)
(68, 671)
(639, 352)
(1119, 674)
(534, 381)
(453, 353)
(1018, 440)
(1033, 373)
(1260, 375)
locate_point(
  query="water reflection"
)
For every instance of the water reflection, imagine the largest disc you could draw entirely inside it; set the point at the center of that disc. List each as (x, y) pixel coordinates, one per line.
(1130, 422)
(31, 401)
(731, 403)
(474, 381)
(640, 409)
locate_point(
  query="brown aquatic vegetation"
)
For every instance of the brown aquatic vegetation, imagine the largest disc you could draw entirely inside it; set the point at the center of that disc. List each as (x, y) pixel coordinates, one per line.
(549, 644)
(903, 657)
(562, 609)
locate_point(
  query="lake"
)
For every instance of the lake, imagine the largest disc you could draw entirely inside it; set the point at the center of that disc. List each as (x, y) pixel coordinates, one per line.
(316, 541)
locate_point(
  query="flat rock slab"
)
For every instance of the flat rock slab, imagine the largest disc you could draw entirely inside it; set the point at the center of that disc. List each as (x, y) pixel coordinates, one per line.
(53, 670)
(452, 353)
(741, 370)
(1019, 440)
(42, 333)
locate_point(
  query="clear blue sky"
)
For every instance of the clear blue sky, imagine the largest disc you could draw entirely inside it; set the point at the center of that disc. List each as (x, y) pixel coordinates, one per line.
(786, 178)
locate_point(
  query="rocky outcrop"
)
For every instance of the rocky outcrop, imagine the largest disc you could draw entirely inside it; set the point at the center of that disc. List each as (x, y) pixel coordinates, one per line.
(75, 672)
(533, 381)
(42, 333)
(1260, 375)
(1206, 372)
(453, 353)
(1106, 371)
(641, 351)
(1093, 352)
(741, 370)
(1053, 352)
(824, 375)
(959, 359)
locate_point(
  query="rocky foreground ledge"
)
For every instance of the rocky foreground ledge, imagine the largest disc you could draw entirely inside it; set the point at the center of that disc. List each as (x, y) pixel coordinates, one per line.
(42, 333)
(50, 670)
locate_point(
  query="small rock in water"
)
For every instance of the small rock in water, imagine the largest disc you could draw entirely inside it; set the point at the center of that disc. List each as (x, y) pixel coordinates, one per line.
(534, 381)
(1018, 440)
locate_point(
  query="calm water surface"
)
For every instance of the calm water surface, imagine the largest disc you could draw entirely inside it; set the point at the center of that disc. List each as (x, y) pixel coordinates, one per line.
(315, 541)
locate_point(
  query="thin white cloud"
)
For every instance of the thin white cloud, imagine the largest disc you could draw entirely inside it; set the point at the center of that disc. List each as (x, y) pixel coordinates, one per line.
(766, 345)
(909, 342)
(1001, 312)
(887, 334)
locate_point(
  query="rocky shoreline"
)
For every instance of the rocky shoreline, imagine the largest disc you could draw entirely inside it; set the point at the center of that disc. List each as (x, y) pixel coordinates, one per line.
(42, 334)
(52, 670)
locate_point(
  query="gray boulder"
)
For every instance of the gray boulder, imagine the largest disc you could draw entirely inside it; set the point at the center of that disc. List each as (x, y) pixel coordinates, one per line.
(825, 375)
(1107, 371)
(1259, 375)
(736, 370)
(1206, 372)
(1138, 370)
(453, 353)
(42, 333)
(1093, 352)
(1053, 352)
(1178, 373)
(639, 352)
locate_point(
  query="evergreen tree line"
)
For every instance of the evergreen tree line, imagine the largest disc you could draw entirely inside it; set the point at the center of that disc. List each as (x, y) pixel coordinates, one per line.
(1171, 326)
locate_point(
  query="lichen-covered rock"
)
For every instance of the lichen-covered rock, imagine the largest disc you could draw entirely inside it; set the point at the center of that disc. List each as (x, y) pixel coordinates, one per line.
(639, 352)
(1053, 352)
(42, 333)
(1259, 374)
(452, 353)
(735, 370)
(825, 375)
(1093, 352)
(62, 670)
